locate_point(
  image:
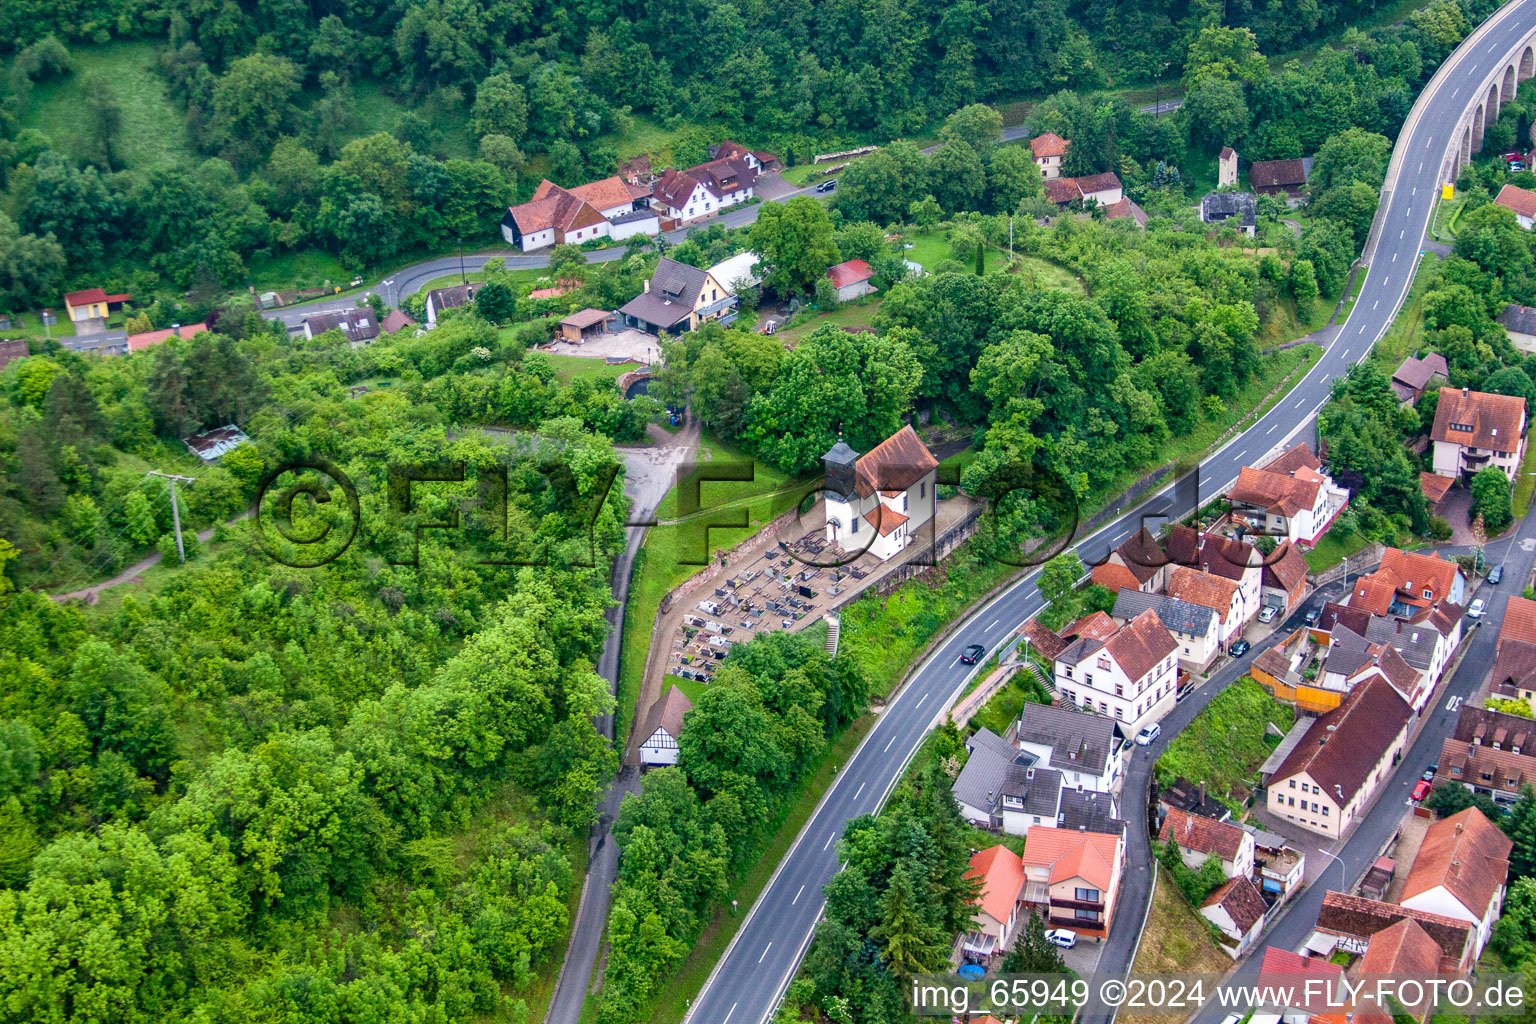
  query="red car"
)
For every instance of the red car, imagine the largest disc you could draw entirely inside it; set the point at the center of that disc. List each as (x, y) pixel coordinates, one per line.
(1421, 790)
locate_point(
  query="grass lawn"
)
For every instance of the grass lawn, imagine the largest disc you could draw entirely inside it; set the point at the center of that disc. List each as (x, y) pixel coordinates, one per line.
(1443, 227)
(378, 112)
(1407, 331)
(30, 325)
(1227, 741)
(1333, 548)
(659, 566)
(931, 246)
(1176, 941)
(1526, 484)
(1004, 706)
(692, 688)
(292, 270)
(568, 368)
(1354, 294)
(853, 314)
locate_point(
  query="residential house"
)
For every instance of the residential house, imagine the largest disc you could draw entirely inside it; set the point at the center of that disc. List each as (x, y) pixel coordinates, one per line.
(1514, 662)
(1474, 430)
(1049, 150)
(1237, 910)
(584, 325)
(1142, 556)
(1520, 325)
(1082, 747)
(1000, 874)
(1073, 877)
(1352, 658)
(678, 298)
(1191, 798)
(611, 208)
(1410, 582)
(1236, 210)
(1314, 982)
(759, 160)
(851, 279)
(730, 180)
(1126, 209)
(1222, 596)
(12, 349)
(681, 197)
(1427, 643)
(1291, 672)
(1087, 810)
(1226, 167)
(211, 445)
(1103, 189)
(1279, 869)
(396, 321)
(149, 339)
(1460, 871)
(1002, 788)
(1413, 375)
(1280, 177)
(1195, 627)
(738, 272)
(1340, 759)
(1131, 677)
(1402, 950)
(1519, 201)
(454, 297)
(1434, 489)
(359, 325)
(1349, 923)
(879, 501)
(1290, 496)
(1284, 579)
(1490, 752)
(1113, 577)
(663, 727)
(92, 304)
(1236, 560)
(1199, 839)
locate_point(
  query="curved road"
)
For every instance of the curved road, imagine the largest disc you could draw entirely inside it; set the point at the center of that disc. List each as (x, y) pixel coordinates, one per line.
(760, 962)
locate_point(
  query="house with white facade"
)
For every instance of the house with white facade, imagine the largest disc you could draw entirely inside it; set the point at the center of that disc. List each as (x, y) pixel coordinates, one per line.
(678, 298)
(1132, 677)
(1460, 872)
(1200, 838)
(738, 272)
(1474, 430)
(611, 208)
(731, 180)
(1235, 560)
(1048, 150)
(454, 297)
(1195, 627)
(1207, 590)
(878, 502)
(1001, 787)
(999, 874)
(1519, 201)
(663, 727)
(1237, 910)
(1073, 877)
(1288, 498)
(1082, 747)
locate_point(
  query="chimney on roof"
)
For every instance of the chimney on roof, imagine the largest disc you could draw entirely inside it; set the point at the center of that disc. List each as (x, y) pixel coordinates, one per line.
(176, 329)
(1201, 791)
(1465, 392)
(647, 284)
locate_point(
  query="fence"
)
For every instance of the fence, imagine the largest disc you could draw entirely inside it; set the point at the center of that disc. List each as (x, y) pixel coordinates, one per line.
(921, 562)
(821, 158)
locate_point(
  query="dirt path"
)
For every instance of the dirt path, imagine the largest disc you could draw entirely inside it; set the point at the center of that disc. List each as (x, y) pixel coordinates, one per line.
(135, 572)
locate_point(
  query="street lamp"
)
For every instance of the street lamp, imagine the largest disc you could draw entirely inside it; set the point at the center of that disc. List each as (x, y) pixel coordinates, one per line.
(1343, 879)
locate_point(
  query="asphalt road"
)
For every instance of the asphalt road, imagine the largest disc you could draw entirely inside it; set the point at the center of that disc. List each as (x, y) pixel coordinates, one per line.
(749, 980)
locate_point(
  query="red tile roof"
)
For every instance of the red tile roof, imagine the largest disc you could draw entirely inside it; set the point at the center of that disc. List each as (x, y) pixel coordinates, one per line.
(1375, 596)
(85, 298)
(1404, 949)
(607, 193)
(1519, 200)
(1203, 588)
(1241, 901)
(1002, 879)
(667, 714)
(1126, 208)
(1201, 834)
(674, 188)
(1279, 493)
(851, 272)
(1062, 191)
(1423, 572)
(1434, 487)
(894, 464)
(884, 519)
(1090, 856)
(1142, 554)
(1478, 419)
(1095, 624)
(1114, 577)
(1048, 144)
(1341, 746)
(1045, 640)
(1519, 621)
(1346, 914)
(1286, 567)
(1292, 459)
(137, 342)
(554, 207)
(1211, 552)
(1279, 962)
(1467, 854)
(1272, 173)
(1140, 644)
(1091, 183)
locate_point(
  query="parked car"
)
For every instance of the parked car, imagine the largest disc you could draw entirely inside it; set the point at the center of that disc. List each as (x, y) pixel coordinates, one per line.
(827, 186)
(1429, 773)
(972, 654)
(1313, 614)
(1421, 790)
(1066, 938)
(1268, 613)
(1476, 609)
(1147, 735)
(1496, 575)
(1239, 648)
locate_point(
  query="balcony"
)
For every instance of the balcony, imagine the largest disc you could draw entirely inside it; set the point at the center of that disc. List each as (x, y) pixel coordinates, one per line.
(1075, 923)
(714, 308)
(1095, 905)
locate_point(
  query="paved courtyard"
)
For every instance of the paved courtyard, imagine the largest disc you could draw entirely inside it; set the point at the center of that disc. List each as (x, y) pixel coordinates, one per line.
(625, 344)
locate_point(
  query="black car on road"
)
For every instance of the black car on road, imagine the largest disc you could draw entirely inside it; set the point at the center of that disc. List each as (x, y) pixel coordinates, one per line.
(972, 654)
(1239, 648)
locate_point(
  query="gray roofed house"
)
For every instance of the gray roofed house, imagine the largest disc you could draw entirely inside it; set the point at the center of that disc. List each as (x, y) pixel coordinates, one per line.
(1520, 324)
(1177, 616)
(1240, 208)
(439, 299)
(1000, 786)
(669, 297)
(1083, 810)
(1415, 641)
(1414, 374)
(1070, 741)
(359, 325)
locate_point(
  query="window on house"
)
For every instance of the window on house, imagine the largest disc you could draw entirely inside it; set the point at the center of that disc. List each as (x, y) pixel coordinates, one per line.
(1088, 895)
(1325, 810)
(922, 489)
(904, 498)
(1088, 678)
(1120, 712)
(1086, 915)
(1293, 783)
(855, 524)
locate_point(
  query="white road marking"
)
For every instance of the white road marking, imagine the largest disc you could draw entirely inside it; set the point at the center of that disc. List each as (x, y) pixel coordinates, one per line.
(1421, 165)
(1376, 303)
(955, 662)
(993, 626)
(1242, 453)
(828, 842)
(765, 952)
(921, 702)
(1271, 429)
(1400, 234)
(1458, 89)
(860, 790)
(1394, 257)
(797, 896)
(728, 1013)
(1205, 481)
(888, 744)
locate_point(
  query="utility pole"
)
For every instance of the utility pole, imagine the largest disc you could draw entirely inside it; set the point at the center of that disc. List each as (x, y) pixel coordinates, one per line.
(181, 551)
